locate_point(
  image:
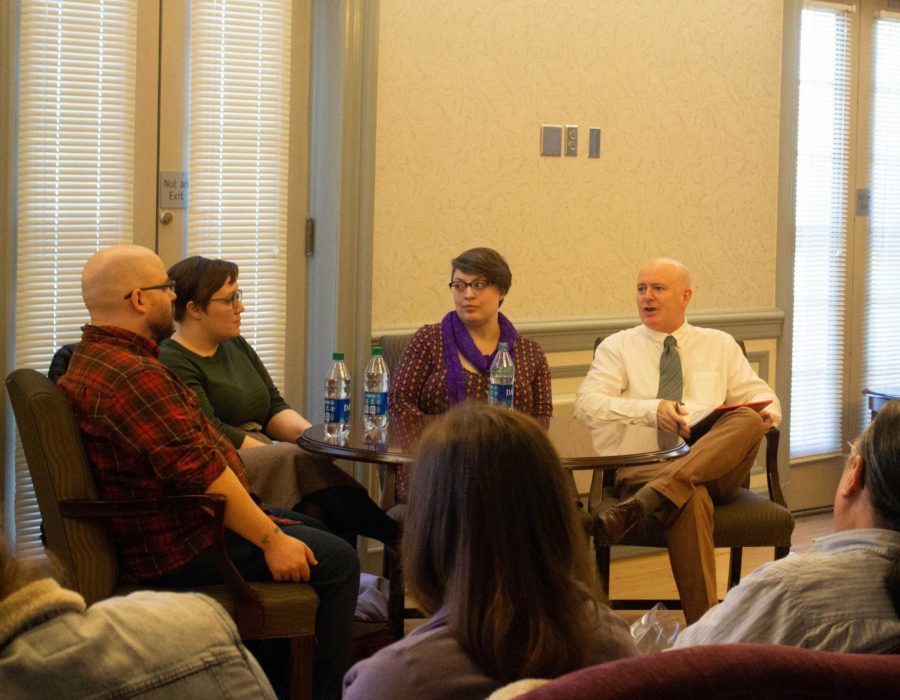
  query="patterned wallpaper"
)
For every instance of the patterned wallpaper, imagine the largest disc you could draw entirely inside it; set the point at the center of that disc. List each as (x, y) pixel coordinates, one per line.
(687, 95)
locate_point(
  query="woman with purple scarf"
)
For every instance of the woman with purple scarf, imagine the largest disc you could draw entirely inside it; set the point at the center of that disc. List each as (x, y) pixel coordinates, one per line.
(448, 362)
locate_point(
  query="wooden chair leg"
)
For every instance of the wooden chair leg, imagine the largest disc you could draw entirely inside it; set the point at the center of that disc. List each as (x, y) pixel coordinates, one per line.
(302, 650)
(734, 566)
(601, 556)
(397, 595)
(782, 552)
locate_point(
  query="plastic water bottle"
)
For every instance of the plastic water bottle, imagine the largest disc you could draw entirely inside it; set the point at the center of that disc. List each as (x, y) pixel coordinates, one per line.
(337, 398)
(376, 439)
(503, 377)
(375, 415)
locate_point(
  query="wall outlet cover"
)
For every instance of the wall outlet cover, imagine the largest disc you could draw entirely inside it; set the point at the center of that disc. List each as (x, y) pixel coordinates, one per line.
(571, 140)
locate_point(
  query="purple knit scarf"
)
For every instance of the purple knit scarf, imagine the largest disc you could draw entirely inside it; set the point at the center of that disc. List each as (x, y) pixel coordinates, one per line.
(457, 340)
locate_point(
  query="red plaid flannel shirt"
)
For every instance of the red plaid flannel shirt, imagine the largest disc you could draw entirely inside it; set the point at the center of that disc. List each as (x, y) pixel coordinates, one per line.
(145, 436)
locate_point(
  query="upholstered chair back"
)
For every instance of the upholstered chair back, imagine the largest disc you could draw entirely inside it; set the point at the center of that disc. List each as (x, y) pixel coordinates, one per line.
(59, 470)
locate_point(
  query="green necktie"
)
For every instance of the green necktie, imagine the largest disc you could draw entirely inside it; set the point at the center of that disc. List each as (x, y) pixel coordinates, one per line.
(671, 385)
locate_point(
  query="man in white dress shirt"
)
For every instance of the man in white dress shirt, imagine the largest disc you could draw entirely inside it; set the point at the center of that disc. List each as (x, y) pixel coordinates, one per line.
(844, 594)
(664, 373)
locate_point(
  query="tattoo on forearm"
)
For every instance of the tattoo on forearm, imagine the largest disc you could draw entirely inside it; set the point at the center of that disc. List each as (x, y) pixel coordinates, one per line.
(268, 538)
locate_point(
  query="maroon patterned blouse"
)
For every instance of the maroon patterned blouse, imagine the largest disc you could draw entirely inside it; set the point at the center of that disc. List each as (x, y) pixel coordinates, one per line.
(419, 383)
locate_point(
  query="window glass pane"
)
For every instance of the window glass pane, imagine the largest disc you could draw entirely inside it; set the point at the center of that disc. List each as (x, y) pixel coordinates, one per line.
(882, 346)
(240, 99)
(819, 259)
(75, 177)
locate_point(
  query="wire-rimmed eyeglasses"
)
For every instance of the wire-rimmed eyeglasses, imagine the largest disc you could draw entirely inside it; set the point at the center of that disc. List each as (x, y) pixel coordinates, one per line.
(478, 285)
(233, 299)
(170, 284)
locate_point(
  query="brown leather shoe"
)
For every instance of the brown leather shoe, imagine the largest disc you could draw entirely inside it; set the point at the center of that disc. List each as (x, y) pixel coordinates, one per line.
(616, 521)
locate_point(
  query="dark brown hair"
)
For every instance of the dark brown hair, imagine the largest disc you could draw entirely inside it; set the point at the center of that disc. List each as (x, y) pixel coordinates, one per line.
(493, 535)
(197, 279)
(487, 262)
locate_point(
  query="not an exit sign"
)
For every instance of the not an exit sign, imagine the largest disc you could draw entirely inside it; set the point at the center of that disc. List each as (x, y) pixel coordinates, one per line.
(173, 190)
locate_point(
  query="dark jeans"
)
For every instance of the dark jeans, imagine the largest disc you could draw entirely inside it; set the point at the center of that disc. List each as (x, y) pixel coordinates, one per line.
(347, 511)
(335, 579)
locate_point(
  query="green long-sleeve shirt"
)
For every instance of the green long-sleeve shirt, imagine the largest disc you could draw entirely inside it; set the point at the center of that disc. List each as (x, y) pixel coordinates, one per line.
(233, 385)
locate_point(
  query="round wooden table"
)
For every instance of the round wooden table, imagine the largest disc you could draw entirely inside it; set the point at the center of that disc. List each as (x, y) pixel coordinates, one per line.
(580, 445)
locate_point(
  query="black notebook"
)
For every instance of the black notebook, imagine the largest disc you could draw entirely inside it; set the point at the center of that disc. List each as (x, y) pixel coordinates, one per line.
(707, 419)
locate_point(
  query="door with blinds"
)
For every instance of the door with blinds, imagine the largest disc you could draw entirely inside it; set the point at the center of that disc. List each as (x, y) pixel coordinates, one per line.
(847, 226)
(122, 103)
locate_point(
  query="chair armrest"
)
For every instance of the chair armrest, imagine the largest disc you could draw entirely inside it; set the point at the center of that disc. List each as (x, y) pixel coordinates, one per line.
(95, 509)
(249, 614)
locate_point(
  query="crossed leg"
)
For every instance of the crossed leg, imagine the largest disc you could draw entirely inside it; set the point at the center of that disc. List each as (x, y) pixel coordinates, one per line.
(711, 473)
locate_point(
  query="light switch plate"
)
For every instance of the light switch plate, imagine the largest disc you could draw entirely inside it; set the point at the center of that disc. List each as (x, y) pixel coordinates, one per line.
(571, 140)
(551, 140)
(594, 142)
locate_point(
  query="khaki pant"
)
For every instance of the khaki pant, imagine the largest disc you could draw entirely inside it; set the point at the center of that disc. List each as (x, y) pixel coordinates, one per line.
(710, 473)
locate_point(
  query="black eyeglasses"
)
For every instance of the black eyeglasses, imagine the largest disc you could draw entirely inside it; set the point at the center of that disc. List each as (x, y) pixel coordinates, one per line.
(233, 299)
(478, 285)
(167, 285)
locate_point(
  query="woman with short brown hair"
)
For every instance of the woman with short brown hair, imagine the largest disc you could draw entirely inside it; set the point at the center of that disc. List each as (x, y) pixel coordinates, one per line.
(448, 362)
(235, 391)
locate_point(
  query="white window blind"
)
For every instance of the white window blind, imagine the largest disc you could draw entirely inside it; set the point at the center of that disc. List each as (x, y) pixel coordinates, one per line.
(74, 177)
(882, 344)
(239, 102)
(820, 225)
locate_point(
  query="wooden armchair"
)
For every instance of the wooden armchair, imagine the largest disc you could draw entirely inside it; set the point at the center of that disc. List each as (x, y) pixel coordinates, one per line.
(76, 534)
(748, 520)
